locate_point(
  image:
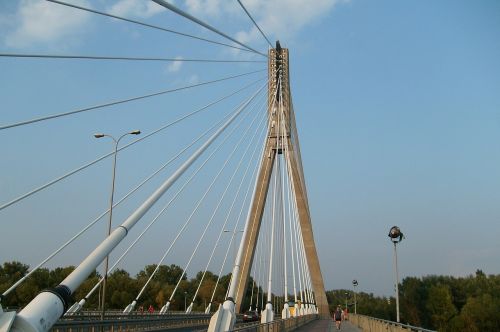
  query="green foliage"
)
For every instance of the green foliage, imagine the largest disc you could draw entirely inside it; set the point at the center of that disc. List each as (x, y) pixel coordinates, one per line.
(367, 304)
(121, 288)
(440, 303)
(455, 304)
(439, 306)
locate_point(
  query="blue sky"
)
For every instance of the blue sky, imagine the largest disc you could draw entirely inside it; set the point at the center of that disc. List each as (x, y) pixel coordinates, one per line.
(397, 104)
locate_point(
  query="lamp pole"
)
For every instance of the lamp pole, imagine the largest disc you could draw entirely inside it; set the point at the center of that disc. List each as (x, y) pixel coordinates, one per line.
(396, 236)
(185, 301)
(354, 284)
(115, 152)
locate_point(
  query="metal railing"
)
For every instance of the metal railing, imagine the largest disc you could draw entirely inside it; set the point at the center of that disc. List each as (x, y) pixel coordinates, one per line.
(146, 322)
(116, 322)
(280, 325)
(118, 314)
(372, 324)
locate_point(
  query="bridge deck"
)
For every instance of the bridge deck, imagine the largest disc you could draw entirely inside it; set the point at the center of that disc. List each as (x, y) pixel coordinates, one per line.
(327, 325)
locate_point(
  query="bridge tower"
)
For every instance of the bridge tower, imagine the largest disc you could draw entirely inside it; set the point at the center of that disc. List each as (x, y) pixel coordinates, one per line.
(279, 92)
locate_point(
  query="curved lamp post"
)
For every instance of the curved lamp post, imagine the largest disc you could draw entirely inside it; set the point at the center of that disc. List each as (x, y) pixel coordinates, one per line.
(396, 236)
(354, 284)
(116, 141)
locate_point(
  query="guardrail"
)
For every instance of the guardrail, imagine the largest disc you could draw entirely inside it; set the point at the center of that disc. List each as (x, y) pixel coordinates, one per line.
(117, 314)
(135, 323)
(372, 324)
(280, 325)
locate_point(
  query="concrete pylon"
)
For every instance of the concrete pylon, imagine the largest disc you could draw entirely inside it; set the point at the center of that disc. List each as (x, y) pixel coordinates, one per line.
(279, 81)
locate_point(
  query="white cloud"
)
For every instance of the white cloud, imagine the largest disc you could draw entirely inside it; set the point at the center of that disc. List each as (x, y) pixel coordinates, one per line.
(136, 8)
(41, 22)
(175, 66)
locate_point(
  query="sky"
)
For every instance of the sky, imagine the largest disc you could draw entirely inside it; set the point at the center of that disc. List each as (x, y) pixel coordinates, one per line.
(397, 105)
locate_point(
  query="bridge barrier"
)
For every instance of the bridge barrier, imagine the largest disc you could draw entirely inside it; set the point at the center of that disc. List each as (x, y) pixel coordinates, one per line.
(118, 314)
(372, 324)
(279, 325)
(136, 323)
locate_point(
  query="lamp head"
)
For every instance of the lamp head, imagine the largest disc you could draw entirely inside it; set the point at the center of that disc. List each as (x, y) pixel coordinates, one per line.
(99, 135)
(395, 234)
(135, 132)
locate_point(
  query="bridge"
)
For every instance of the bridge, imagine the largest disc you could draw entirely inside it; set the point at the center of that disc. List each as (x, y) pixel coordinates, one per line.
(231, 190)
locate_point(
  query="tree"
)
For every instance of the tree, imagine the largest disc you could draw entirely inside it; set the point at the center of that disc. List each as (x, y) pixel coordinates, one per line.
(413, 301)
(11, 272)
(120, 289)
(482, 313)
(165, 274)
(440, 306)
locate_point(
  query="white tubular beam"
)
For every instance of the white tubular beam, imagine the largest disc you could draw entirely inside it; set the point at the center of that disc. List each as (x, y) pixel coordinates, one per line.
(46, 308)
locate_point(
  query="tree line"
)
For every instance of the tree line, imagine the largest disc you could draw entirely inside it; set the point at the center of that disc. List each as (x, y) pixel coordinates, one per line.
(441, 303)
(121, 288)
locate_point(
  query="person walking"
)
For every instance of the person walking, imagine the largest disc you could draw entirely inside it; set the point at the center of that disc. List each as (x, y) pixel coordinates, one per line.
(337, 316)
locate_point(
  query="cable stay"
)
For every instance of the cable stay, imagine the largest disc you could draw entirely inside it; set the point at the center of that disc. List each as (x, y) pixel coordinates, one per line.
(148, 25)
(268, 313)
(300, 263)
(122, 101)
(203, 24)
(189, 309)
(97, 57)
(257, 252)
(258, 276)
(143, 182)
(77, 306)
(291, 195)
(233, 287)
(131, 306)
(78, 169)
(240, 108)
(261, 278)
(285, 314)
(198, 204)
(255, 23)
(207, 310)
(227, 311)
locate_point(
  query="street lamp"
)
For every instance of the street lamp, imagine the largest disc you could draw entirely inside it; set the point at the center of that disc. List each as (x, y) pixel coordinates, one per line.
(115, 152)
(354, 284)
(396, 236)
(185, 301)
(346, 294)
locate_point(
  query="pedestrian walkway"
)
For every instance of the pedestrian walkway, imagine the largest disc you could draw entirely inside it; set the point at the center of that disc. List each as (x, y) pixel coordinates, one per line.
(327, 325)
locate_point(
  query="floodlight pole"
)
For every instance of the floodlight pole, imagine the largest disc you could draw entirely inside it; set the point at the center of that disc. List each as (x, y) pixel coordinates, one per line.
(354, 284)
(396, 236)
(397, 281)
